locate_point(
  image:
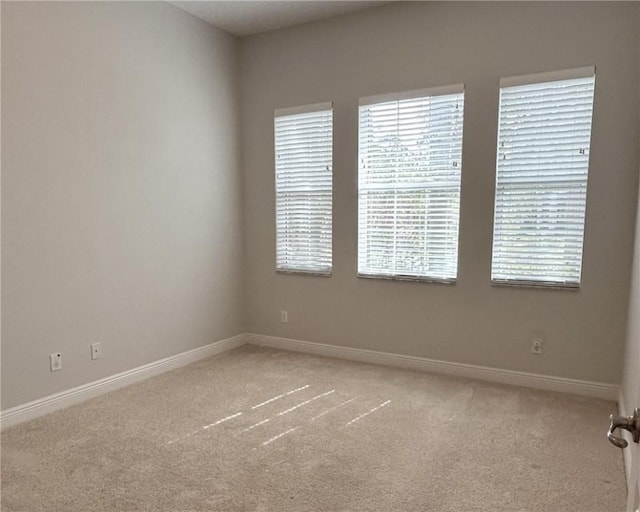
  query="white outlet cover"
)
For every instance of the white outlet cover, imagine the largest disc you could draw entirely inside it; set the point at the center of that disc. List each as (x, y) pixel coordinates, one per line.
(55, 361)
(96, 351)
(537, 346)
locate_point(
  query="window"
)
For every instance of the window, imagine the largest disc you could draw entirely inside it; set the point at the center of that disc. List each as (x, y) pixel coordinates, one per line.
(410, 158)
(304, 173)
(544, 133)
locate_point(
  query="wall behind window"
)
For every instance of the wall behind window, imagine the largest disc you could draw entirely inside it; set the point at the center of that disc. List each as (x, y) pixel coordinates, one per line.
(121, 198)
(414, 45)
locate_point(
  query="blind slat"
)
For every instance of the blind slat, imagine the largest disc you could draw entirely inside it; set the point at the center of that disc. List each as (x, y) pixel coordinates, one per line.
(304, 180)
(410, 157)
(541, 181)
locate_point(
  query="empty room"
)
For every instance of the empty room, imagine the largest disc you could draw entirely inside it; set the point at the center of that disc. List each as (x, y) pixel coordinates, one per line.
(359, 256)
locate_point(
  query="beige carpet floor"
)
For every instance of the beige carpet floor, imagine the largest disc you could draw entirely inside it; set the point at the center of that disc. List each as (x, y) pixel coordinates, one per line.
(264, 430)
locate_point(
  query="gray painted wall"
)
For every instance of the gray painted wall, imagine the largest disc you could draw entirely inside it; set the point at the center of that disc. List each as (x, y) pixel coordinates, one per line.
(414, 45)
(121, 197)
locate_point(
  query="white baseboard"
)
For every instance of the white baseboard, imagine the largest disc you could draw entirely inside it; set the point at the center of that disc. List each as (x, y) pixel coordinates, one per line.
(515, 378)
(51, 403)
(57, 401)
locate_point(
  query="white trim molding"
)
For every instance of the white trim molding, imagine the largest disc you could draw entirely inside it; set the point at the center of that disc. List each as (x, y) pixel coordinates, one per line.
(549, 76)
(410, 95)
(303, 109)
(57, 401)
(51, 403)
(515, 378)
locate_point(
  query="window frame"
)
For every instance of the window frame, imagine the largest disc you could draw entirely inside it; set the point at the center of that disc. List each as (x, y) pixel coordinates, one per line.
(290, 111)
(532, 79)
(458, 88)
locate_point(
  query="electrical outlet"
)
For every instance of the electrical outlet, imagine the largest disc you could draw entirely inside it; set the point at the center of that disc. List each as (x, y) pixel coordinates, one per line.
(55, 360)
(284, 317)
(537, 346)
(96, 351)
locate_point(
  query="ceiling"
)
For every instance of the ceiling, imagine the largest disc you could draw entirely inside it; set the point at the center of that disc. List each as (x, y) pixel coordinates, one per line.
(246, 17)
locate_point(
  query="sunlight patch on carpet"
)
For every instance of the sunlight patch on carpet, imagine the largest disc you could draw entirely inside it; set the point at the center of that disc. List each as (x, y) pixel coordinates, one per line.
(280, 396)
(286, 411)
(371, 411)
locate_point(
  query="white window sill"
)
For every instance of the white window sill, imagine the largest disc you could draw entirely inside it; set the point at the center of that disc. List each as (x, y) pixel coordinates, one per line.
(408, 278)
(303, 272)
(537, 285)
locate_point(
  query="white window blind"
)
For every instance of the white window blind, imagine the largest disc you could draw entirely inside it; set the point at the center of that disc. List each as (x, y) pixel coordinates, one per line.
(541, 180)
(304, 173)
(410, 158)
